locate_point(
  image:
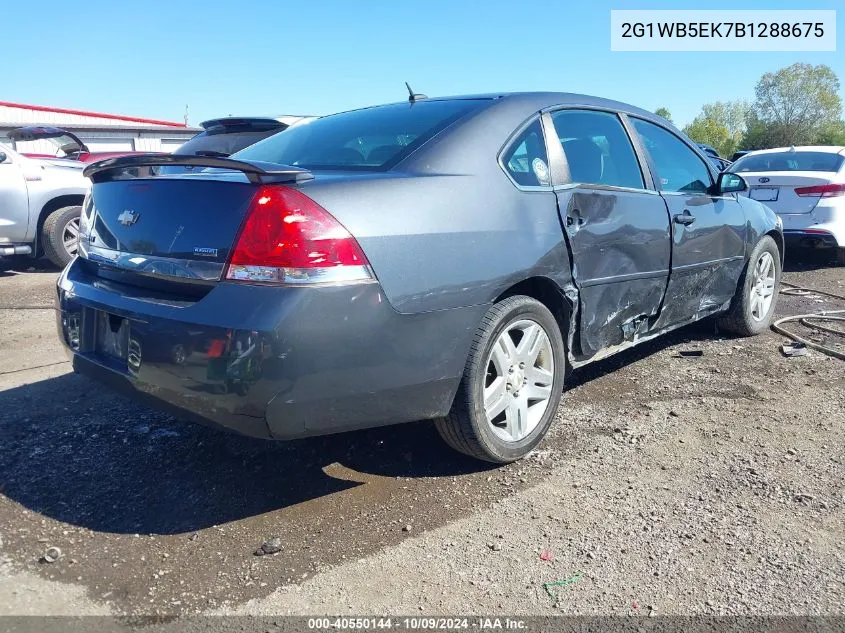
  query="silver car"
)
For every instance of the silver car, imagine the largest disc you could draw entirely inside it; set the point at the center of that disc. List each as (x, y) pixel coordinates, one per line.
(40, 202)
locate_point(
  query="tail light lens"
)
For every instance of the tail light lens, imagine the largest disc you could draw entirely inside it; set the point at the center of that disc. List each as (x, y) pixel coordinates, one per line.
(821, 191)
(288, 238)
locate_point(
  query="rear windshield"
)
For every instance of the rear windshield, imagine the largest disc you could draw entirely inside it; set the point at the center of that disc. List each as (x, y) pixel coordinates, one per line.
(372, 139)
(789, 161)
(225, 142)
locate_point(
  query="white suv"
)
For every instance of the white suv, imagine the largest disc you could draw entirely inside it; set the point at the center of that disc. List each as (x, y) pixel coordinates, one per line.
(40, 201)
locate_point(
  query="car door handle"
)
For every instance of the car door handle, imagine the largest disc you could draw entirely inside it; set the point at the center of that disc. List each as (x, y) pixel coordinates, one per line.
(684, 218)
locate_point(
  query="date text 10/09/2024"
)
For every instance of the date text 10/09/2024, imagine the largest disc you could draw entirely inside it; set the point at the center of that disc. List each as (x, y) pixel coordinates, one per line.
(416, 624)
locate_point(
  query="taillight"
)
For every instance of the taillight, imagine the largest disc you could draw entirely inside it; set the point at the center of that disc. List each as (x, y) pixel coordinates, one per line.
(821, 191)
(288, 238)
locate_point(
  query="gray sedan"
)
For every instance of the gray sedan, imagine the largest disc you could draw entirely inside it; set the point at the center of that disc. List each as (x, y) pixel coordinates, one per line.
(443, 259)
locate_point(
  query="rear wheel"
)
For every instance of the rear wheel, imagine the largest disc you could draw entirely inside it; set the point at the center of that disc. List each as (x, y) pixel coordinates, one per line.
(59, 235)
(839, 257)
(753, 306)
(512, 383)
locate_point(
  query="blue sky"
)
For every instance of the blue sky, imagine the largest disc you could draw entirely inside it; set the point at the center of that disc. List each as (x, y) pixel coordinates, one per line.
(267, 57)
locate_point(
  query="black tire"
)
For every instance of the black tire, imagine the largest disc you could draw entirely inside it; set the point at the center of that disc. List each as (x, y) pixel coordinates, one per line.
(839, 256)
(52, 233)
(739, 319)
(466, 428)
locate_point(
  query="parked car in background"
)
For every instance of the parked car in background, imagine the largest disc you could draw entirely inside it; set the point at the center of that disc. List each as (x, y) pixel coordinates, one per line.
(805, 186)
(40, 201)
(411, 261)
(709, 149)
(223, 137)
(68, 145)
(720, 163)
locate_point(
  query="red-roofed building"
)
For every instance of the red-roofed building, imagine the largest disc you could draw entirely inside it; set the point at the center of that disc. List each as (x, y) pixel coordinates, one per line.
(100, 132)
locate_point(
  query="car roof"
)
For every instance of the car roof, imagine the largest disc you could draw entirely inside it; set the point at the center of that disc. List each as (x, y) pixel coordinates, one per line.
(540, 100)
(825, 149)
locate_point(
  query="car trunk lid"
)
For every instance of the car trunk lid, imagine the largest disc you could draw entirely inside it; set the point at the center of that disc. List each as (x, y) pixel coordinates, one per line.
(67, 142)
(777, 189)
(183, 227)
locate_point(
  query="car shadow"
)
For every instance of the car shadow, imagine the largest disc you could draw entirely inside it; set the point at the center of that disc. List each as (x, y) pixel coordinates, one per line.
(80, 454)
(11, 266)
(807, 259)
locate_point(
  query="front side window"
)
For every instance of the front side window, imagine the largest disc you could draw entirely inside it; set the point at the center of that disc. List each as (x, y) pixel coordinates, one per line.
(526, 159)
(678, 167)
(597, 148)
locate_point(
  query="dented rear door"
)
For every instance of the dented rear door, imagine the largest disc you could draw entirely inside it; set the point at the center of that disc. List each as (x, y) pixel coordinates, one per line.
(617, 230)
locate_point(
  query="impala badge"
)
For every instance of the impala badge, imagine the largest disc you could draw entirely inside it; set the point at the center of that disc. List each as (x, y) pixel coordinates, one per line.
(128, 218)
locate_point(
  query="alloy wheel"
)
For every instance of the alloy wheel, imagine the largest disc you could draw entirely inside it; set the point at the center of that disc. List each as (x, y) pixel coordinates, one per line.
(518, 381)
(763, 290)
(70, 236)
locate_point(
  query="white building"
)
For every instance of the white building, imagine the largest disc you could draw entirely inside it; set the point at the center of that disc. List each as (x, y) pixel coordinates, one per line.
(100, 132)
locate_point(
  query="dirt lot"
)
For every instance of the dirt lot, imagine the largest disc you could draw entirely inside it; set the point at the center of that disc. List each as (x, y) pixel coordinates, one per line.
(669, 484)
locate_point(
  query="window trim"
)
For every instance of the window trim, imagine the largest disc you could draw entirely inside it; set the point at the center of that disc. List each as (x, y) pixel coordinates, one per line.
(513, 138)
(695, 150)
(644, 167)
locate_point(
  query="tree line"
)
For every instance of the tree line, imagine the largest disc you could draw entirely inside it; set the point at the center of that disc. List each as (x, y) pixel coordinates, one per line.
(797, 105)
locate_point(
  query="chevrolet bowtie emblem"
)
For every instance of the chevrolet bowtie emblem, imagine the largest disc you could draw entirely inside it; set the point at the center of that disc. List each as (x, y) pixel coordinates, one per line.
(128, 218)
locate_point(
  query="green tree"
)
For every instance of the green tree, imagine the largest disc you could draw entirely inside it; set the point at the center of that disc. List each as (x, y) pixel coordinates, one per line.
(796, 104)
(833, 134)
(761, 135)
(706, 130)
(664, 112)
(720, 124)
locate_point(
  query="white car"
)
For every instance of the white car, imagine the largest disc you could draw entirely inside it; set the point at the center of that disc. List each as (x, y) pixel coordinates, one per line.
(40, 201)
(805, 186)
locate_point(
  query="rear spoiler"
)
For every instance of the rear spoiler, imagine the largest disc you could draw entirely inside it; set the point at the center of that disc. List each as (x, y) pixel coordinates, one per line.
(255, 171)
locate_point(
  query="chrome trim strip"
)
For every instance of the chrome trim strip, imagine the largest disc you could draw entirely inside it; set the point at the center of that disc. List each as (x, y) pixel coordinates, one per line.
(153, 265)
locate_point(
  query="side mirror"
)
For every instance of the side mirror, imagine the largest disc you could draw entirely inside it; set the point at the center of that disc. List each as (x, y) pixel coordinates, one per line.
(730, 183)
(3, 157)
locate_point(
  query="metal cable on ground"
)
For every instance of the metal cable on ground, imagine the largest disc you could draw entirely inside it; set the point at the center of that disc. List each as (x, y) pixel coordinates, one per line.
(809, 320)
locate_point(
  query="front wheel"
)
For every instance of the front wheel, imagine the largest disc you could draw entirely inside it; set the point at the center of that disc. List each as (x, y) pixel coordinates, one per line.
(512, 383)
(753, 306)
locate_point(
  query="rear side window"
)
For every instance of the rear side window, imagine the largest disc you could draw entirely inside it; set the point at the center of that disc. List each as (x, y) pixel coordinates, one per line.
(678, 167)
(372, 139)
(526, 160)
(789, 161)
(597, 148)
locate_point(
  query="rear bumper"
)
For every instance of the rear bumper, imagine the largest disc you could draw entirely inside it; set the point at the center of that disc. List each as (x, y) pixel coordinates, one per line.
(809, 239)
(823, 227)
(267, 362)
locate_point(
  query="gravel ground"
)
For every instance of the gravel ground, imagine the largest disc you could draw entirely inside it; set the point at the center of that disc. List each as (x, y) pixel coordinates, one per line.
(670, 484)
